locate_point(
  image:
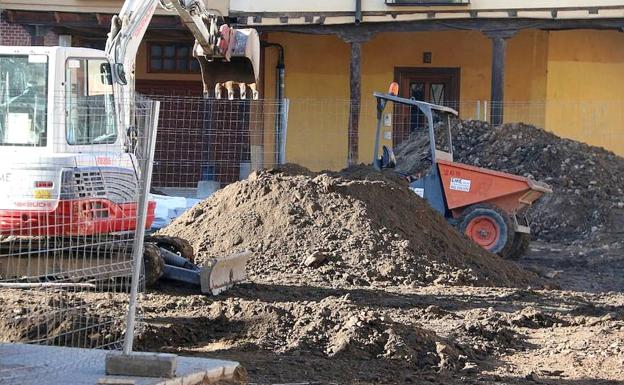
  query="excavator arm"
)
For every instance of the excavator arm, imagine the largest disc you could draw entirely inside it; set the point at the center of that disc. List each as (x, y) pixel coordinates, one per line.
(225, 54)
(227, 57)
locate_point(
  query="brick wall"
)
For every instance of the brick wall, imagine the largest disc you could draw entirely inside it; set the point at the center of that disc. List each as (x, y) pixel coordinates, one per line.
(16, 34)
(13, 34)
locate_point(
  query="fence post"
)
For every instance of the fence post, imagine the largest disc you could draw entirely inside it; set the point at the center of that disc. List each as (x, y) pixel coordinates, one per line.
(137, 247)
(485, 111)
(478, 117)
(283, 130)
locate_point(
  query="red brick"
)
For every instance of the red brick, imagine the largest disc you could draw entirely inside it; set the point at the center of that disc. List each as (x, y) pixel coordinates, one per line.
(16, 34)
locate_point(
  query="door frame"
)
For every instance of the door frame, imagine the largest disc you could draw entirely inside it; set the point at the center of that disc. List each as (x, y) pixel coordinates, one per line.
(453, 72)
(401, 73)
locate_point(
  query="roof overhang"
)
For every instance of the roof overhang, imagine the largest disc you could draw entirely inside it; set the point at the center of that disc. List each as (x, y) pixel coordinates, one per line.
(93, 6)
(93, 25)
(401, 14)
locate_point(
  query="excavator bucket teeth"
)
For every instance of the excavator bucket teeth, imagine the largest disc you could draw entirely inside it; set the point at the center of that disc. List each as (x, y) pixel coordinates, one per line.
(236, 59)
(222, 273)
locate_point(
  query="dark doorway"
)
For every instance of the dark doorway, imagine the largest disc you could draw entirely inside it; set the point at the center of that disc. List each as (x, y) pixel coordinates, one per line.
(432, 85)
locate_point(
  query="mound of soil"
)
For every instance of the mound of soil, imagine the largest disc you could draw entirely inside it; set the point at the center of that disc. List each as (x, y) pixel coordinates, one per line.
(357, 227)
(588, 182)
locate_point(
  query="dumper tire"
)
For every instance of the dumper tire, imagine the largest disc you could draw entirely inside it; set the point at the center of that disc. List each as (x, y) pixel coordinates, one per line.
(153, 264)
(176, 245)
(496, 225)
(519, 247)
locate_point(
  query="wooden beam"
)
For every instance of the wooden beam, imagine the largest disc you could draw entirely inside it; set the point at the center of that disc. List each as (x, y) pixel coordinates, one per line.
(84, 20)
(351, 31)
(424, 10)
(26, 17)
(355, 93)
(74, 18)
(499, 51)
(355, 71)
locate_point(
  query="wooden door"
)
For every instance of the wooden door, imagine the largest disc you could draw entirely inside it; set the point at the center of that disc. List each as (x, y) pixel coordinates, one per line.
(432, 85)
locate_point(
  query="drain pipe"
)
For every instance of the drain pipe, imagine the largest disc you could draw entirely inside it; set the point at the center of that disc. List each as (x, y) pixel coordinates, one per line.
(358, 12)
(280, 83)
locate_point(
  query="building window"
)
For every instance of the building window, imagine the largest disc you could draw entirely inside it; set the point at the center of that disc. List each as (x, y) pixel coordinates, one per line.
(172, 57)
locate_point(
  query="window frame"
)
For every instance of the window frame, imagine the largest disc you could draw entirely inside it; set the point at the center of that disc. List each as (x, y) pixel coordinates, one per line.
(66, 81)
(177, 46)
(46, 92)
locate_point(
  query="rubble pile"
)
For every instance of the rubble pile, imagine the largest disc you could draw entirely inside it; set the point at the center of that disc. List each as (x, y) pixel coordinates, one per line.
(588, 181)
(358, 227)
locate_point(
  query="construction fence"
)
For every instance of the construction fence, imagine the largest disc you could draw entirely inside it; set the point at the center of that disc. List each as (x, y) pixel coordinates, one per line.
(205, 144)
(319, 135)
(70, 223)
(75, 204)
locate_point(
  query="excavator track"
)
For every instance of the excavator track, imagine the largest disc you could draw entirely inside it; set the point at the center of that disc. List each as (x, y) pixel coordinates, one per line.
(176, 245)
(106, 260)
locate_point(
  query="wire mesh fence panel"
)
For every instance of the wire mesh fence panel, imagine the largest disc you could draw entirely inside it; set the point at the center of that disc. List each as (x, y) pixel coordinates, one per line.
(205, 144)
(320, 135)
(596, 123)
(70, 178)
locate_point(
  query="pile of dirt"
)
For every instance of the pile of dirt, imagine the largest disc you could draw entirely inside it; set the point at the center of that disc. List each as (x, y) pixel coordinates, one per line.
(358, 227)
(588, 181)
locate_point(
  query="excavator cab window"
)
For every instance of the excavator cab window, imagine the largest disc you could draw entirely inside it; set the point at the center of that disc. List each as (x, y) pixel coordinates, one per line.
(23, 100)
(89, 102)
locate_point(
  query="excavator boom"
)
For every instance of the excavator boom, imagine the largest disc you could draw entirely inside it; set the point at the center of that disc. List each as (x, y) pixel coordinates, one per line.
(224, 53)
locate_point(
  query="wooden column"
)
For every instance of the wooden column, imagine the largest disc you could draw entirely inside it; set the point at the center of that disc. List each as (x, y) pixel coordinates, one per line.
(355, 70)
(355, 39)
(497, 97)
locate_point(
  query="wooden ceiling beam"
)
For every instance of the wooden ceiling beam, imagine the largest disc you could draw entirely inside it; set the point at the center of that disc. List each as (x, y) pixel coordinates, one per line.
(86, 20)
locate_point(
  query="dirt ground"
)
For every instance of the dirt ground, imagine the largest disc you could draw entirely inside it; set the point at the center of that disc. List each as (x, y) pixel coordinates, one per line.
(574, 335)
(367, 314)
(355, 280)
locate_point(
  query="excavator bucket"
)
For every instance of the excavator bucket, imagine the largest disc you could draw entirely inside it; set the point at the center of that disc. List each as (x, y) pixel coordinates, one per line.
(222, 273)
(233, 66)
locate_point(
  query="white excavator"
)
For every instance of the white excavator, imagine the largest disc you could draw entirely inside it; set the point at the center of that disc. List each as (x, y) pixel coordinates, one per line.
(69, 173)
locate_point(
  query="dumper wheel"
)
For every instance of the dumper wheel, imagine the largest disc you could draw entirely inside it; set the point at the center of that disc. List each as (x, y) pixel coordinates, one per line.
(174, 244)
(489, 227)
(519, 247)
(154, 264)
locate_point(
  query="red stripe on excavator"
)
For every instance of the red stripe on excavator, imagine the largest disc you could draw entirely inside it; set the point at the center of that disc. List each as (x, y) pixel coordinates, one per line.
(74, 217)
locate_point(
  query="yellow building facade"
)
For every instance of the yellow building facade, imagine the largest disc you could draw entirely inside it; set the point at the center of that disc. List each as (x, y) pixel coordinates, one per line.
(563, 62)
(568, 82)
